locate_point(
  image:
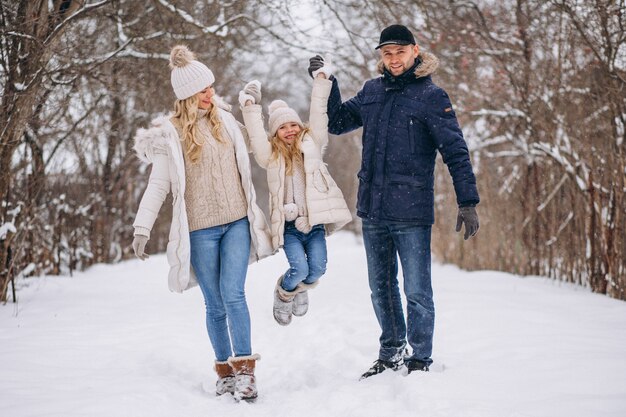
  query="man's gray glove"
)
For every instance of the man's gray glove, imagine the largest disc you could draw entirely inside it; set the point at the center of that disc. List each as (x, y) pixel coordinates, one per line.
(315, 63)
(468, 216)
(139, 246)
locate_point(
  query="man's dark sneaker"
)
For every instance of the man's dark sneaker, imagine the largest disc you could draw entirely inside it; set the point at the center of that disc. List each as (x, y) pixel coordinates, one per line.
(415, 365)
(380, 366)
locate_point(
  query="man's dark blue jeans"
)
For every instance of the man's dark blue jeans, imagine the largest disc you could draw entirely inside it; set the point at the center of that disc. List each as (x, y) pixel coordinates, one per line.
(383, 243)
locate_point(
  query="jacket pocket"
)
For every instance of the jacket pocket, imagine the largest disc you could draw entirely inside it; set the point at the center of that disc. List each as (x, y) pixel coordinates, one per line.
(412, 134)
(370, 105)
(322, 180)
(363, 193)
(396, 179)
(372, 98)
(408, 198)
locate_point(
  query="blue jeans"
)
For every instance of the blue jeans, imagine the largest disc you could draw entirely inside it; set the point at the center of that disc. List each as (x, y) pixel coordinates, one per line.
(219, 256)
(306, 254)
(383, 243)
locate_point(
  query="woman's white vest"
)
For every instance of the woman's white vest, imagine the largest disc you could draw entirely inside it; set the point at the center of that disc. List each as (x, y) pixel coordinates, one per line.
(160, 145)
(324, 199)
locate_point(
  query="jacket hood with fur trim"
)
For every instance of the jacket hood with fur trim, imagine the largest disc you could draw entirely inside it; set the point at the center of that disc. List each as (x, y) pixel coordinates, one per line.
(154, 137)
(429, 65)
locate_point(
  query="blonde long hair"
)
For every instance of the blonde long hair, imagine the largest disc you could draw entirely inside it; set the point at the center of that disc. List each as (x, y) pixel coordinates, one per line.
(185, 116)
(289, 153)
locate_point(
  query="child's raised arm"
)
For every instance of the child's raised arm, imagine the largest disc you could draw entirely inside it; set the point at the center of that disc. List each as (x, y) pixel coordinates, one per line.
(318, 118)
(252, 112)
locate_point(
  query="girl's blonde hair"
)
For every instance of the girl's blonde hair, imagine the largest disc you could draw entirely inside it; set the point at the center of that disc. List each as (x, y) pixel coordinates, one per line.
(289, 153)
(185, 116)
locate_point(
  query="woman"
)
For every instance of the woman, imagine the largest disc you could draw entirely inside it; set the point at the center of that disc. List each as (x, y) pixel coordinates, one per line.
(305, 203)
(217, 228)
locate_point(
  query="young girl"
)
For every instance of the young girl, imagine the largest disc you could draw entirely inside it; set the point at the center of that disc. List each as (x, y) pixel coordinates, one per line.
(305, 202)
(199, 154)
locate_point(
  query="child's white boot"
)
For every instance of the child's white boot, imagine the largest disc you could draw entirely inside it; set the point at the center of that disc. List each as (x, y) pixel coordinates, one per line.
(283, 303)
(301, 300)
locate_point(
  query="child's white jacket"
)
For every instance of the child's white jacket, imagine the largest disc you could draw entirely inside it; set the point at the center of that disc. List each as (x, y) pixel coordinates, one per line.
(160, 145)
(324, 199)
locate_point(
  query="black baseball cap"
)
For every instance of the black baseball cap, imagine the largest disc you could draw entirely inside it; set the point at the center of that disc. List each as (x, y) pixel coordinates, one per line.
(396, 35)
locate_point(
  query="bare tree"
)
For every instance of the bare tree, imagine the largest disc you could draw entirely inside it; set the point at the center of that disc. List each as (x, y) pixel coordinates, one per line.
(77, 79)
(541, 89)
(538, 87)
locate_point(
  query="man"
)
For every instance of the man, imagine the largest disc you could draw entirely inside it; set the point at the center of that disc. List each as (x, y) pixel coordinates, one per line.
(406, 119)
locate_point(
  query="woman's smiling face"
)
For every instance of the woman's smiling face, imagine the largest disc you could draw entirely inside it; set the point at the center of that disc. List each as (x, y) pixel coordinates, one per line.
(204, 98)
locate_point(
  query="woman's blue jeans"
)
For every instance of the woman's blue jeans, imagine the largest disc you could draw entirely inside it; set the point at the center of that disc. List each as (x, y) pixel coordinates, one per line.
(306, 253)
(219, 256)
(383, 243)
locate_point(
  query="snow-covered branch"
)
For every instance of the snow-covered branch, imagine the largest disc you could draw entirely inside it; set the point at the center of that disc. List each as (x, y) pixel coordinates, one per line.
(214, 29)
(19, 35)
(553, 193)
(487, 143)
(77, 14)
(499, 113)
(554, 152)
(562, 227)
(93, 61)
(579, 170)
(7, 228)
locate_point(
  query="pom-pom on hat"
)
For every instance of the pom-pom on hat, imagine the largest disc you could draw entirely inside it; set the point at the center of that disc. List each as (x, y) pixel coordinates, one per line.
(281, 113)
(396, 35)
(188, 75)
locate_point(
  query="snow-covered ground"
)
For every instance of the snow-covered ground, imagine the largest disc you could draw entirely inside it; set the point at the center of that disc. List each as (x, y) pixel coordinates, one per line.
(114, 342)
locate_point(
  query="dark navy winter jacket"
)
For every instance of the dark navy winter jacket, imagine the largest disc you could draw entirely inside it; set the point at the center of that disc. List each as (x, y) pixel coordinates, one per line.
(405, 120)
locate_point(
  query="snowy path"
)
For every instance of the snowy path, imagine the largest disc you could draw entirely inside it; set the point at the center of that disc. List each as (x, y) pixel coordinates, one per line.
(114, 342)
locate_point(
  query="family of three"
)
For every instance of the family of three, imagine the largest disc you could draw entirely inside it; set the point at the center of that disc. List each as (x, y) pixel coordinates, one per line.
(200, 153)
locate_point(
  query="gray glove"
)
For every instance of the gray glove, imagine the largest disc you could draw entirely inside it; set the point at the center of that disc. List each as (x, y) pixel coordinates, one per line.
(254, 89)
(468, 216)
(315, 63)
(139, 245)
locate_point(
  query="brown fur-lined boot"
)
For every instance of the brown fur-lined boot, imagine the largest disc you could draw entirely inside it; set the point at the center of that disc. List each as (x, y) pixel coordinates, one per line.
(225, 378)
(245, 383)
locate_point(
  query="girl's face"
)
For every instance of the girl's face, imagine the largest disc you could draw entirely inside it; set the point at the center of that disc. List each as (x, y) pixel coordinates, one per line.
(288, 132)
(204, 98)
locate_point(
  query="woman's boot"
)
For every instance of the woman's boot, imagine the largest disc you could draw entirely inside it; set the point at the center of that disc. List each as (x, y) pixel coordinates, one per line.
(245, 383)
(225, 378)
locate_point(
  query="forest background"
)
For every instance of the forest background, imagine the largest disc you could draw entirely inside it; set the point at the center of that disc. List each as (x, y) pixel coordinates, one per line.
(539, 88)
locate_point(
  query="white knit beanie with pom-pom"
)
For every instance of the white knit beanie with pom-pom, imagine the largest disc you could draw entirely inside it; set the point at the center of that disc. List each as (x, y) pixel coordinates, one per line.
(188, 75)
(281, 113)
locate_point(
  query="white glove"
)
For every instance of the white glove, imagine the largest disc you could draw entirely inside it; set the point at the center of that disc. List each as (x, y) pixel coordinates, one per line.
(251, 91)
(139, 245)
(243, 98)
(253, 88)
(327, 69)
(302, 224)
(291, 211)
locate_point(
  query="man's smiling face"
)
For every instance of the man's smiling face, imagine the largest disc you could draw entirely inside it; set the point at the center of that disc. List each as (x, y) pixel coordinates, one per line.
(398, 58)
